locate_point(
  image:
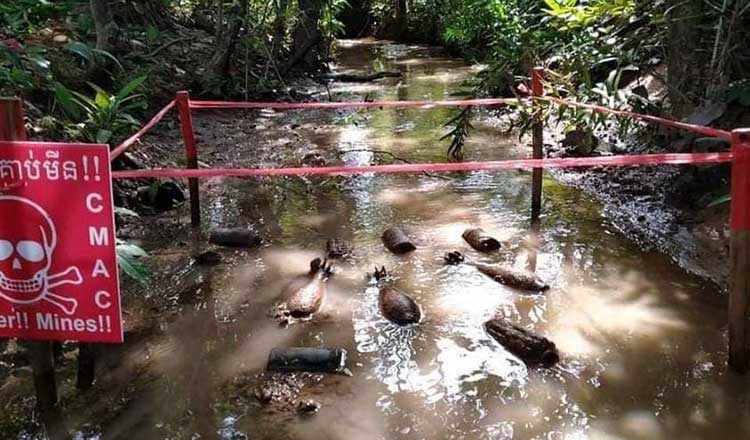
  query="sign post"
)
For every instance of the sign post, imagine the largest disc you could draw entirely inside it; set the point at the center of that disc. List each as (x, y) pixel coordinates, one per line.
(739, 277)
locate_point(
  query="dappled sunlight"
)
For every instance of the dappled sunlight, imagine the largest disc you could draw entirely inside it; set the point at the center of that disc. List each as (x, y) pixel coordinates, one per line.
(445, 77)
(360, 88)
(471, 297)
(640, 353)
(626, 309)
(251, 353)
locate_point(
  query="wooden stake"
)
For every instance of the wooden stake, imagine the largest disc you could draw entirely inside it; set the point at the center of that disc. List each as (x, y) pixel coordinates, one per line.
(739, 281)
(191, 154)
(537, 143)
(12, 127)
(86, 366)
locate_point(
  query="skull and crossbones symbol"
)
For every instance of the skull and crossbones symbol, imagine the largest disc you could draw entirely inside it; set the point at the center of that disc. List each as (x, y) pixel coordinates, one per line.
(27, 243)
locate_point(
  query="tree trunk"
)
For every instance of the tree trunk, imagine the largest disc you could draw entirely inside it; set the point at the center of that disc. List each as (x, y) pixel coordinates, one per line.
(401, 20)
(279, 27)
(307, 37)
(218, 67)
(696, 55)
(106, 28)
(147, 12)
(219, 19)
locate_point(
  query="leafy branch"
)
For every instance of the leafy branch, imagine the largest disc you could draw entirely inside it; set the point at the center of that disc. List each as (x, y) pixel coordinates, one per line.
(461, 124)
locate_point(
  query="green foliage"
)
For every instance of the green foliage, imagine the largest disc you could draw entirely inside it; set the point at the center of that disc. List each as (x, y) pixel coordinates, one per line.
(499, 31)
(104, 116)
(91, 55)
(739, 91)
(23, 68)
(460, 131)
(330, 25)
(129, 255)
(128, 259)
(576, 15)
(20, 16)
(721, 200)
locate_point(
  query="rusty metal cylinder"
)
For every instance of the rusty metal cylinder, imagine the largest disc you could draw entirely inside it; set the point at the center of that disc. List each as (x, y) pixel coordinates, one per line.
(316, 360)
(480, 241)
(234, 237)
(534, 350)
(397, 241)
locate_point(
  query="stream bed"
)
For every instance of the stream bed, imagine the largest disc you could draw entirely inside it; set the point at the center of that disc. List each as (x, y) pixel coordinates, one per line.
(642, 343)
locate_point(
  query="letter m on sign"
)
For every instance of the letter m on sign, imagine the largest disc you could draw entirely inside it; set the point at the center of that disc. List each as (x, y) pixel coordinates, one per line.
(98, 236)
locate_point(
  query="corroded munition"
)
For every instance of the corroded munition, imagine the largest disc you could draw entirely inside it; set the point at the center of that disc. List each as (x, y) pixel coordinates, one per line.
(337, 248)
(396, 240)
(317, 360)
(234, 237)
(480, 241)
(532, 349)
(517, 279)
(395, 305)
(305, 301)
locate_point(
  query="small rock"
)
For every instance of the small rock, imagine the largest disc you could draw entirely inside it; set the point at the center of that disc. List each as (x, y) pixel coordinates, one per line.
(264, 395)
(641, 91)
(308, 406)
(314, 159)
(208, 258)
(162, 195)
(580, 142)
(60, 39)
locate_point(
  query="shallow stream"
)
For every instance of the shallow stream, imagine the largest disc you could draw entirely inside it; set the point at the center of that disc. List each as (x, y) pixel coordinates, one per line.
(643, 344)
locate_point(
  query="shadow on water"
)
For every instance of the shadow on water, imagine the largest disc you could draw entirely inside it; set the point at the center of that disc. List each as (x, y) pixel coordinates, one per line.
(642, 343)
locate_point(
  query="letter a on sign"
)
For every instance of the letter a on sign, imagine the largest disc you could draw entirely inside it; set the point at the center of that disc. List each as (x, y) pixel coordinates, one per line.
(56, 224)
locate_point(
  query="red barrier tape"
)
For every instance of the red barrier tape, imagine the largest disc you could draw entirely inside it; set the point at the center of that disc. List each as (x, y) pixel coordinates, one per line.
(706, 131)
(644, 159)
(132, 139)
(350, 105)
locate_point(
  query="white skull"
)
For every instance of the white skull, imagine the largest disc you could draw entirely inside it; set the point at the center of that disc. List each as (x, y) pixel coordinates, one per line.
(27, 241)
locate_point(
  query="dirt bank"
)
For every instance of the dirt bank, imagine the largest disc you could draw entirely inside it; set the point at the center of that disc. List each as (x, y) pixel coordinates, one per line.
(640, 204)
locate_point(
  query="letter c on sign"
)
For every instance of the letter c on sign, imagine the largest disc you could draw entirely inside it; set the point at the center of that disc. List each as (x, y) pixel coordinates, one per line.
(102, 299)
(92, 203)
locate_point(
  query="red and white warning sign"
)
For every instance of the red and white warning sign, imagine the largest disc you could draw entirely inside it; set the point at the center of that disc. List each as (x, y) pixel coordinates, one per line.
(58, 266)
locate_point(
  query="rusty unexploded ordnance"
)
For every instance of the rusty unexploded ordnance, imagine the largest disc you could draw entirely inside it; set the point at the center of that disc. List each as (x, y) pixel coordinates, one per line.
(533, 350)
(315, 360)
(397, 241)
(480, 241)
(395, 305)
(337, 248)
(306, 300)
(518, 279)
(234, 237)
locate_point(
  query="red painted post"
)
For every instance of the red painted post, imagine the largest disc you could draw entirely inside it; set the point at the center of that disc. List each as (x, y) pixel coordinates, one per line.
(191, 153)
(12, 128)
(537, 140)
(739, 277)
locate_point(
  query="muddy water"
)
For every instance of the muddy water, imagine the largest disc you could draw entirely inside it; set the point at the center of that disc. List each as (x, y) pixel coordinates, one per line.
(642, 343)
